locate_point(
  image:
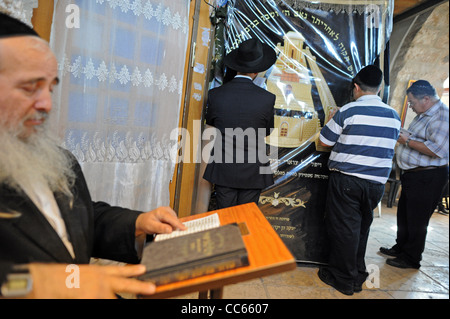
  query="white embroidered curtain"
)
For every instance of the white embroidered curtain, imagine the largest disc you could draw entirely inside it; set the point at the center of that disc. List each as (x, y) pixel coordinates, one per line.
(119, 98)
(19, 9)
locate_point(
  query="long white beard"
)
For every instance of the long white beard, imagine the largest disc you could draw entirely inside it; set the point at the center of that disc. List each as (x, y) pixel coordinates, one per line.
(36, 159)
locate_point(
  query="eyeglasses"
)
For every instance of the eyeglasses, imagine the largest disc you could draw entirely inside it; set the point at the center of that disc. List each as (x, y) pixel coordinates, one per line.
(413, 103)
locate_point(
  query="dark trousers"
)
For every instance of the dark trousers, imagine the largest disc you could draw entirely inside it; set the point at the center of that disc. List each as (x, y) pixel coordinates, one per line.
(348, 216)
(421, 192)
(227, 196)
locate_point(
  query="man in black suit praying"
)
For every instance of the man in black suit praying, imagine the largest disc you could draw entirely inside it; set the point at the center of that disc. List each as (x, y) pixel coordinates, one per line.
(243, 114)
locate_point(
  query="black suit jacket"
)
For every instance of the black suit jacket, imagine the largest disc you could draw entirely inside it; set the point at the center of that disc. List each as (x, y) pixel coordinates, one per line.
(95, 229)
(240, 106)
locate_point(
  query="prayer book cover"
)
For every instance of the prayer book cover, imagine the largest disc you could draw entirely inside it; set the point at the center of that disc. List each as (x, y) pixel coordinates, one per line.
(193, 255)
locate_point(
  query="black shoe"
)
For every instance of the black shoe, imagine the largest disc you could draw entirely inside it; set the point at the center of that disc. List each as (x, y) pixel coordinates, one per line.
(389, 252)
(401, 263)
(327, 278)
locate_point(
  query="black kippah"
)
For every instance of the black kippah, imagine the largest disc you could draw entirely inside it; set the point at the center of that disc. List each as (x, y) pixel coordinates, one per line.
(421, 87)
(11, 27)
(370, 76)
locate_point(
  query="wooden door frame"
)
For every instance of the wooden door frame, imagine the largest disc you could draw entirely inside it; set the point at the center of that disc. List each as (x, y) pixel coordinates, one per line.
(183, 189)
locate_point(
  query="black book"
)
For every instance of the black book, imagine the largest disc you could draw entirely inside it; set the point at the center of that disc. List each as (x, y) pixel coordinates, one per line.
(194, 255)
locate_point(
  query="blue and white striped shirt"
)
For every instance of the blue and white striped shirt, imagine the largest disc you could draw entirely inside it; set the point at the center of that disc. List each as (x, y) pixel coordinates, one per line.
(431, 128)
(363, 135)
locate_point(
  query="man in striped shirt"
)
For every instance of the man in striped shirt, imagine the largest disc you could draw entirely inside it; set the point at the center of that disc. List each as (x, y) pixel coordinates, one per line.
(363, 135)
(423, 155)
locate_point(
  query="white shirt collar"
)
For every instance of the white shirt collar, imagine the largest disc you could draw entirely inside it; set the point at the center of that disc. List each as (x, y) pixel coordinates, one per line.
(244, 76)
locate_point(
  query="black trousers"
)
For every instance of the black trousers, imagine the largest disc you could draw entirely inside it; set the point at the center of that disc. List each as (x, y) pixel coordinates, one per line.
(227, 196)
(421, 192)
(348, 216)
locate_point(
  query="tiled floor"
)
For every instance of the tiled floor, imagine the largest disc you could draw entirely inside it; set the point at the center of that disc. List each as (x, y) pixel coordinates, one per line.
(431, 281)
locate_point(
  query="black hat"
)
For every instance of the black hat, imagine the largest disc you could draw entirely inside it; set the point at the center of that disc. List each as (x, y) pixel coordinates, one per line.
(252, 56)
(11, 27)
(370, 76)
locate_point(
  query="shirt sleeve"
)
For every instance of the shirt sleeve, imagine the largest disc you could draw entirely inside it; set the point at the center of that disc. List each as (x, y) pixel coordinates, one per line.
(332, 130)
(114, 233)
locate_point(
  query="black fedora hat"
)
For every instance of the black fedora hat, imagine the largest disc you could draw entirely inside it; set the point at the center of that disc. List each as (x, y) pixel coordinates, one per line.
(11, 27)
(252, 56)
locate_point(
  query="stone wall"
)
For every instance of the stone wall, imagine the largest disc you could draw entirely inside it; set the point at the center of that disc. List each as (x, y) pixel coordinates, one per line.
(423, 54)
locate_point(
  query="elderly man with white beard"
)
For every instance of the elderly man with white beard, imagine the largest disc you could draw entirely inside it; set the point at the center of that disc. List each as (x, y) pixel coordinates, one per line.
(48, 221)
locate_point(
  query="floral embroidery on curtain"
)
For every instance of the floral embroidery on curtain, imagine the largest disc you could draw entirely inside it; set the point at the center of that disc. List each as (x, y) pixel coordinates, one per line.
(119, 99)
(19, 9)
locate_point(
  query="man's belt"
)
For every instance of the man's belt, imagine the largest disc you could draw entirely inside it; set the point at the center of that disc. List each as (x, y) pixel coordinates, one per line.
(422, 168)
